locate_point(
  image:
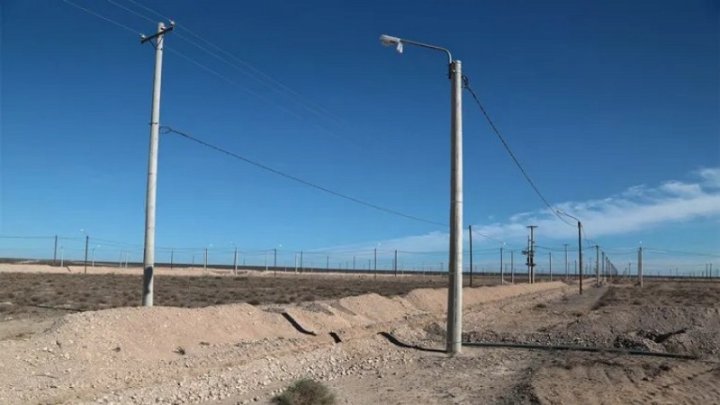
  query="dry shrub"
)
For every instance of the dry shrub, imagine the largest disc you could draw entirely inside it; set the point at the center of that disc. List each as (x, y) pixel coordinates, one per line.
(305, 392)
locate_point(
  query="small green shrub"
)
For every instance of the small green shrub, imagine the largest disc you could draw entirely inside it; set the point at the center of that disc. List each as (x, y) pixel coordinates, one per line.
(305, 392)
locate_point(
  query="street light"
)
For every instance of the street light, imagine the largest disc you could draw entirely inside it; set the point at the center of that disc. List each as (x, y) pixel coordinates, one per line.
(454, 318)
(579, 224)
(93, 254)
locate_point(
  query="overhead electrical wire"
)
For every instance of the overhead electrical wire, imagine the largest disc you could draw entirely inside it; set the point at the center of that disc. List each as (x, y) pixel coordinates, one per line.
(102, 17)
(466, 85)
(167, 129)
(248, 69)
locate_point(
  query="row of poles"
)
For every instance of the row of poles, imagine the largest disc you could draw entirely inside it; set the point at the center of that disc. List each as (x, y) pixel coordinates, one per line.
(602, 265)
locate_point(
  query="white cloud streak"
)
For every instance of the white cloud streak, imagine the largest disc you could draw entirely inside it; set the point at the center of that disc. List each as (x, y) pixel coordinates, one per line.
(639, 208)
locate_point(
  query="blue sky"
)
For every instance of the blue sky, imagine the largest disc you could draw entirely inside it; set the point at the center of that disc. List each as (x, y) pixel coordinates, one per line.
(612, 107)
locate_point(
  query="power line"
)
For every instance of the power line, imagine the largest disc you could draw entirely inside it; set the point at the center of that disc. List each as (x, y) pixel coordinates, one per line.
(167, 129)
(241, 65)
(466, 84)
(102, 17)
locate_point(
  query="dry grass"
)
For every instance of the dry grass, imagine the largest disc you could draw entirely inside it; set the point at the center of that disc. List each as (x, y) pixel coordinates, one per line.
(42, 293)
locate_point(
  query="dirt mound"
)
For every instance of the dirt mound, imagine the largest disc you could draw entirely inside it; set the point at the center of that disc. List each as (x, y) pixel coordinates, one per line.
(435, 300)
(160, 332)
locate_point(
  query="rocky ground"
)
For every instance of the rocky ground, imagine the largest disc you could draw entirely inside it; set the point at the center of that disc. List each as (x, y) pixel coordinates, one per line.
(372, 349)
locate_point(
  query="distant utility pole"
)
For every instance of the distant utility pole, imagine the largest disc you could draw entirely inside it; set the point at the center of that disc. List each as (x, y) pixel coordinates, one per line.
(206, 261)
(375, 263)
(301, 261)
(566, 262)
(275, 258)
(512, 267)
(471, 254)
(87, 241)
(172, 258)
(327, 263)
(353, 263)
(235, 261)
(395, 263)
(502, 274)
(149, 254)
(550, 257)
(597, 265)
(55, 251)
(531, 253)
(640, 266)
(604, 269)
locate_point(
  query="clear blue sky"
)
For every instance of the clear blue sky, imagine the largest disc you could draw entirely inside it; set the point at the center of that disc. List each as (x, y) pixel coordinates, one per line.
(612, 106)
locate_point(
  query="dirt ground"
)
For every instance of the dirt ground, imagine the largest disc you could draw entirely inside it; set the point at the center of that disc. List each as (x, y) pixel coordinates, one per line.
(383, 347)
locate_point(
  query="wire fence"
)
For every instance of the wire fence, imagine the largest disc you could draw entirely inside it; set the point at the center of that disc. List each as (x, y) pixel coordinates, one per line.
(511, 265)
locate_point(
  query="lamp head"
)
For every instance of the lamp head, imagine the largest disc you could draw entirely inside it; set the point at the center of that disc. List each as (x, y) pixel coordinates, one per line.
(388, 40)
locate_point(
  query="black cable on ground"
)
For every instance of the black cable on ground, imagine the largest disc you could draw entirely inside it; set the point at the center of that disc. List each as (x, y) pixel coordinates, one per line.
(506, 345)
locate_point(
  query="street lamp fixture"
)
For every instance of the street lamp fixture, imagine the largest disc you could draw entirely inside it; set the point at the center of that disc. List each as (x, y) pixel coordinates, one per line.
(580, 263)
(454, 318)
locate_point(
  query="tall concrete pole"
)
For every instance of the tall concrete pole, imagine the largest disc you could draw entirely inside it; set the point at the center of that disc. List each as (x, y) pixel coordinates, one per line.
(149, 254)
(301, 261)
(640, 266)
(531, 253)
(172, 258)
(597, 265)
(375, 263)
(206, 261)
(395, 264)
(604, 270)
(580, 263)
(502, 273)
(566, 262)
(235, 261)
(550, 257)
(454, 318)
(512, 267)
(87, 241)
(55, 251)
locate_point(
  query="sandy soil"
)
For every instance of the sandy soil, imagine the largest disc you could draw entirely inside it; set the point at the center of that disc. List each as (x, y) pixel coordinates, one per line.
(373, 348)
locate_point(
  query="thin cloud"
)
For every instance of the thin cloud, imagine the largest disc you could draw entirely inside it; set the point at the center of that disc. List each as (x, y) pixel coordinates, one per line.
(638, 208)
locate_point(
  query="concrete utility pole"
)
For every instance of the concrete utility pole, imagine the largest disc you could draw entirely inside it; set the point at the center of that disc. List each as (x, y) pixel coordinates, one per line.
(62, 257)
(597, 265)
(531, 253)
(206, 261)
(395, 263)
(604, 270)
(235, 261)
(566, 263)
(471, 254)
(301, 261)
(353, 263)
(550, 257)
(512, 267)
(502, 274)
(275, 258)
(149, 254)
(87, 241)
(640, 266)
(580, 267)
(375, 263)
(55, 251)
(172, 258)
(454, 318)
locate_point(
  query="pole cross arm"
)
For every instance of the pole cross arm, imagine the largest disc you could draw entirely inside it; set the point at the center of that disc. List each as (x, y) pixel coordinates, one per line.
(163, 31)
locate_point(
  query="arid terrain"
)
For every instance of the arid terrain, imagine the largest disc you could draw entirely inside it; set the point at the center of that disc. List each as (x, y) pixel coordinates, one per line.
(223, 339)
